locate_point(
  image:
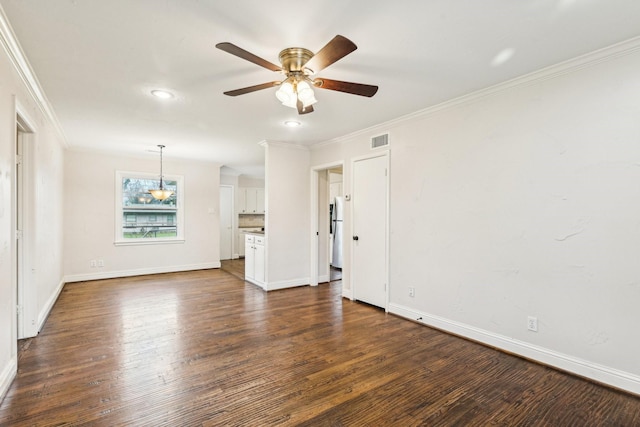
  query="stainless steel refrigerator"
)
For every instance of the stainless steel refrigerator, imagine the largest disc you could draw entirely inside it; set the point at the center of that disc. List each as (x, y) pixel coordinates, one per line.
(337, 212)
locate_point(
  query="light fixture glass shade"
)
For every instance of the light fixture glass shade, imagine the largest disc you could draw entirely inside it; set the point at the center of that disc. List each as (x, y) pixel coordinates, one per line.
(305, 94)
(161, 194)
(287, 95)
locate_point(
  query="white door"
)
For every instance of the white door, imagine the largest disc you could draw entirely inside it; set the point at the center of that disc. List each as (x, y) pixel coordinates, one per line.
(369, 234)
(226, 222)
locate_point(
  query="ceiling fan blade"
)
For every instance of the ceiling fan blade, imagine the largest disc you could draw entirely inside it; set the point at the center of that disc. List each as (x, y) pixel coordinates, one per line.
(347, 87)
(302, 109)
(251, 89)
(337, 48)
(241, 53)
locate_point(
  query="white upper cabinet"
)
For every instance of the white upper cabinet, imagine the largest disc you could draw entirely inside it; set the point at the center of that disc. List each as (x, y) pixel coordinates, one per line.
(251, 201)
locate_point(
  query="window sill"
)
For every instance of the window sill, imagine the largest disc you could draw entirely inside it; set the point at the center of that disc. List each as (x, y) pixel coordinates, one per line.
(133, 242)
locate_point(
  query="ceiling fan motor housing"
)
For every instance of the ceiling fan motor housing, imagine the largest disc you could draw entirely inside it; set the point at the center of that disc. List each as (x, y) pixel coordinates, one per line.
(294, 58)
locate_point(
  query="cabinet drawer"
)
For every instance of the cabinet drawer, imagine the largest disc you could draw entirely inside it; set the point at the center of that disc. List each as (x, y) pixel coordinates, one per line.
(249, 238)
(259, 240)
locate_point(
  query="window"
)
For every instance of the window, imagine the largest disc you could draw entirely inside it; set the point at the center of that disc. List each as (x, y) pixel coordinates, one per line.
(141, 219)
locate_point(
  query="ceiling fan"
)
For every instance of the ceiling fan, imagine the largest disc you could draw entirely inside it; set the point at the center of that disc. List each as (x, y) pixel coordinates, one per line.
(299, 65)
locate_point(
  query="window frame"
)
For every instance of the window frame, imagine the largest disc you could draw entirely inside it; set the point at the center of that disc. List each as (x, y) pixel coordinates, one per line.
(119, 240)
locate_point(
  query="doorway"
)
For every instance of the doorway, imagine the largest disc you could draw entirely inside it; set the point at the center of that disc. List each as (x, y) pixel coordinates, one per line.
(336, 223)
(326, 247)
(26, 293)
(226, 222)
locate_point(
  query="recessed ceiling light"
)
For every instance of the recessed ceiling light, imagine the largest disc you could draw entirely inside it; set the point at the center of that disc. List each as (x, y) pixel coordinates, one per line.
(161, 94)
(292, 123)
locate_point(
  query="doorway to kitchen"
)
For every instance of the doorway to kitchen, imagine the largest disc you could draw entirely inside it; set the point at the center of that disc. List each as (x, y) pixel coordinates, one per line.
(336, 223)
(327, 224)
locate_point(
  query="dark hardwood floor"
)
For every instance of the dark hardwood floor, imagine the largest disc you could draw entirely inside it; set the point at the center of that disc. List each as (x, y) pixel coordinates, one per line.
(234, 266)
(206, 348)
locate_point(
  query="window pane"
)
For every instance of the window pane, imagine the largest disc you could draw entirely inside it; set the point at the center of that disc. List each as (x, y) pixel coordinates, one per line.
(145, 217)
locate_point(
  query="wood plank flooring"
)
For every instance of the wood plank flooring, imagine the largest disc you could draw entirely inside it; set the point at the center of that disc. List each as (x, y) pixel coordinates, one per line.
(206, 348)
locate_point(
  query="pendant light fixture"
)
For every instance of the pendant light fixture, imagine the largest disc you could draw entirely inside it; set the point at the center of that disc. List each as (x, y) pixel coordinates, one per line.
(161, 193)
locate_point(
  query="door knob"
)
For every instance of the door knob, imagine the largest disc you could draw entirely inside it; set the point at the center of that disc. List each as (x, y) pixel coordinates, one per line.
(355, 237)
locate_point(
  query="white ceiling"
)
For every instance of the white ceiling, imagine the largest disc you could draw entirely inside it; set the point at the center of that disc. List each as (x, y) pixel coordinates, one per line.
(98, 60)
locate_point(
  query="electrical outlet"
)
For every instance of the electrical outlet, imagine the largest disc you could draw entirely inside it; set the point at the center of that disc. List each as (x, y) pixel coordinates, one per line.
(532, 323)
(412, 291)
(100, 263)
(92, 263)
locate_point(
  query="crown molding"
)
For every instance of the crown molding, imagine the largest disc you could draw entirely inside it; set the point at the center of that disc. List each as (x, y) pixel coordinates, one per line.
(19, 60)
(284, 145)
(590, 59)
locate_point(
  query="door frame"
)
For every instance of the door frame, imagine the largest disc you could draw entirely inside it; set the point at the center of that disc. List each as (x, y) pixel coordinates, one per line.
(25, 283)
(354, 291)
(314, 237)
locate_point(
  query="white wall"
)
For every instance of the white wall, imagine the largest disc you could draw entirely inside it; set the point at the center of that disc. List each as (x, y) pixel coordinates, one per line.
(229, 180)
(287, 220)
(45, 275)
(90, 218)
(249, 181)
(523, 201)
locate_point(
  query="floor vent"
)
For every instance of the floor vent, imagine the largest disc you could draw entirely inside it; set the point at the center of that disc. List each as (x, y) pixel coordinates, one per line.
(380, 141)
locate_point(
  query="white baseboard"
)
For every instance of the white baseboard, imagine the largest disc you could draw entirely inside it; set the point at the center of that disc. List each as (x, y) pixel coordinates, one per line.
(324, 279)
(139, 272)
(6, 377)
(255, 282)
(283, 284)
(602, 374)
(44, 313)
(347, 293)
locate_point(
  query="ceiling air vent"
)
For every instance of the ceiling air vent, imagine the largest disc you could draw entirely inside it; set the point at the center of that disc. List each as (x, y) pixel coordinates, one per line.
(380, 141)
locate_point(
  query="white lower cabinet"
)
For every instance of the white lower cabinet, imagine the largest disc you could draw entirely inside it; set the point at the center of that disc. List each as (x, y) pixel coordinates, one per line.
(254, 259)
(249, 257)
(259, 260)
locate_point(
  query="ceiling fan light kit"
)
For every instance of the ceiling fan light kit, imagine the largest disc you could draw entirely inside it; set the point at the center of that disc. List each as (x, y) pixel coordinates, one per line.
(293, 91)
(298, 65)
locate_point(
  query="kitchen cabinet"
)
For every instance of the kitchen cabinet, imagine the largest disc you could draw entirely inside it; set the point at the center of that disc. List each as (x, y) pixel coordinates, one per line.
(259, 260)
(249, 258)
(254, 259)
(240, 236)
(251, 201)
